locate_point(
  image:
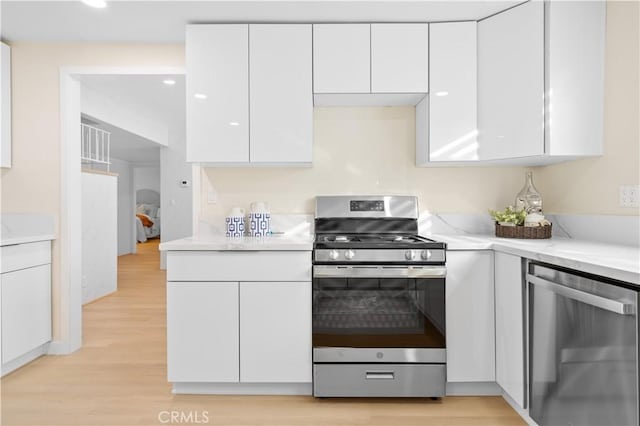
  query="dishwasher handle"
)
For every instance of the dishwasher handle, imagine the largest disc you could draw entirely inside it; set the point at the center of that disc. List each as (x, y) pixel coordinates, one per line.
(610, 305)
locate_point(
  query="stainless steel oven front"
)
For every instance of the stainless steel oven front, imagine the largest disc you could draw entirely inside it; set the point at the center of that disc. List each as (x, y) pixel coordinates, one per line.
(379, 330)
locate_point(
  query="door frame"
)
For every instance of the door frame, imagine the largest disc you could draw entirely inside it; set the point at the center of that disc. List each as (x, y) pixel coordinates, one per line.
(69, 310)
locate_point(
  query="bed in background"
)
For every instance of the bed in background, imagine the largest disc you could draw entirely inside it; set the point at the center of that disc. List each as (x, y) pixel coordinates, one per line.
(147, 214)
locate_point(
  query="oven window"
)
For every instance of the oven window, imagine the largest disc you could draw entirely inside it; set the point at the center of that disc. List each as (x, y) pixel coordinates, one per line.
(379, 313)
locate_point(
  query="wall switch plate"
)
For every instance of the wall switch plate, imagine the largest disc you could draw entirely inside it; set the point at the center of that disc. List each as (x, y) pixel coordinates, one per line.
(212, 196)
(629, 195)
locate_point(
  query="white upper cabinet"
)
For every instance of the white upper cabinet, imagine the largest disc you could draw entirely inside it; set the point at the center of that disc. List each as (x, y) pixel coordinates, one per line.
(575, 77)
(452, 101)
(541, 83)
(217, 93)
(249, 94)
(280, 95)
(511, 83)
(341, 58)
(5, 105)
(399, 58)
(370, 64)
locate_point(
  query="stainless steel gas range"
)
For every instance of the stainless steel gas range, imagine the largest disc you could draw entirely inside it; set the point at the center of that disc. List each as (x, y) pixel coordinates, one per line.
(378, 300)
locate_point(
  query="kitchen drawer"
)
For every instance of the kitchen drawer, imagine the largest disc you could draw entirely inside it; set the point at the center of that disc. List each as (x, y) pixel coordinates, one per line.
(420, 380)
(22, 256)
(239, 266)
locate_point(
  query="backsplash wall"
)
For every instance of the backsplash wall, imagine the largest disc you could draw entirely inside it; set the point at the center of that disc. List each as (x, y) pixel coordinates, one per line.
(361, 151)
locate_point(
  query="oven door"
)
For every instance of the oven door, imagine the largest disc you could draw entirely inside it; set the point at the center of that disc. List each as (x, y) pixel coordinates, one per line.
(379, 313)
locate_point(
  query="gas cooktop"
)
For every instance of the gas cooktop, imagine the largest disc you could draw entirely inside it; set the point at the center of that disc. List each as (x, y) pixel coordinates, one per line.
(390, 241)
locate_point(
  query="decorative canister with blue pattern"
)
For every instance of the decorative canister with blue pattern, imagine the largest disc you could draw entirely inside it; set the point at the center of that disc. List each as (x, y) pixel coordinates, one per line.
(259, 224)
(235, 223)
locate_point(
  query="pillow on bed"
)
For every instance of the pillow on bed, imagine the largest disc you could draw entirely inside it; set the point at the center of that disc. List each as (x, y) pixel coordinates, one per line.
(141, 209)
(152, 210)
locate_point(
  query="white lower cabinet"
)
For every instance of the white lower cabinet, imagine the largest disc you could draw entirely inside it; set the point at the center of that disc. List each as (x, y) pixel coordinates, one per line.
(226, 327)
(26, 310)
(202, 332)
(25, 302)
(510, 344)
(275, 332)
(470, 316)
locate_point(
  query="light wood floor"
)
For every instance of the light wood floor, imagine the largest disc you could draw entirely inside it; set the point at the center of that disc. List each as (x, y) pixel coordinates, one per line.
(119, 378)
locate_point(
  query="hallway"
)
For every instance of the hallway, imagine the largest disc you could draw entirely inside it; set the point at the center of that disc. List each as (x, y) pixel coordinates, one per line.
(119, 377)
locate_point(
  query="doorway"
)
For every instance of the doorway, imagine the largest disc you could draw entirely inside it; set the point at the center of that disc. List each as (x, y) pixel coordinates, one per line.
(72, 105)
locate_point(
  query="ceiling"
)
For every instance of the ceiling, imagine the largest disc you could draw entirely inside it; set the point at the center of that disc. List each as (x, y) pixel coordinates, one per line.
(164, 21)
(147, 94)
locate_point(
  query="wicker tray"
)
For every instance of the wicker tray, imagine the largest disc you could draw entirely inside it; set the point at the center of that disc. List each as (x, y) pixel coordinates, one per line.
(525, 232)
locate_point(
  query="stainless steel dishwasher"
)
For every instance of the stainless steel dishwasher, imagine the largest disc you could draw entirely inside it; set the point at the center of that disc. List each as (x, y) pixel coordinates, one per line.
(583, 333)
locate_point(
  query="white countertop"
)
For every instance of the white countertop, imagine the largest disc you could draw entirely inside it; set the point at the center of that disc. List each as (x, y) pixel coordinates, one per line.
(610, 260)
(222, 243)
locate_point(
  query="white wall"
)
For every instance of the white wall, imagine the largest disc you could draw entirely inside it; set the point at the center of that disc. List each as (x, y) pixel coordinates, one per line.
(126, 206)
(176, 201)
(146, 178)
(99, 235)
(122, 115)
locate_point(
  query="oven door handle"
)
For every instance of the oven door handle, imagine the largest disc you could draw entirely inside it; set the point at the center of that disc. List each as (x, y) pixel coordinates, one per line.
(362, 271)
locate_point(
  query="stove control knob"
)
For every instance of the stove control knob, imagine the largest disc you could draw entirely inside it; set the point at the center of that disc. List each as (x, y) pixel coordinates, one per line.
(409, 255)
(349, 254)
(333, 255)
(425, 255)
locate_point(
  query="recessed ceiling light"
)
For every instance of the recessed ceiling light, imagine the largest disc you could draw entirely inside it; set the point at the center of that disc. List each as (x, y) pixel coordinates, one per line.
(200, 96)
(99, 4)
(442, 93)
(234, 123)
(169, 82)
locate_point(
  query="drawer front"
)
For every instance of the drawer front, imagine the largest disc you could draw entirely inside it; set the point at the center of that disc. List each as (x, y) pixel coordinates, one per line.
(21, 256)
(419, 380)
(239, 266)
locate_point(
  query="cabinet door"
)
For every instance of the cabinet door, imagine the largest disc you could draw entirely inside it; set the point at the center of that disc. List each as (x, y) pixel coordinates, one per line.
(510, 371)
(575, 77)
(470, 317)
(202, 332)
(453, 77)
(5, 105)
(275, 332)
(399, 58)
(341, 58)
(217, 93)
(281, 93)
(511, 83)
(26, 310)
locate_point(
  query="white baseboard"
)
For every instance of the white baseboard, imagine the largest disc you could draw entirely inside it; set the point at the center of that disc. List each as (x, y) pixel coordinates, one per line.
(58, 347)
(523, 412)
(243, 388)
(16, 363)
(473, 388)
